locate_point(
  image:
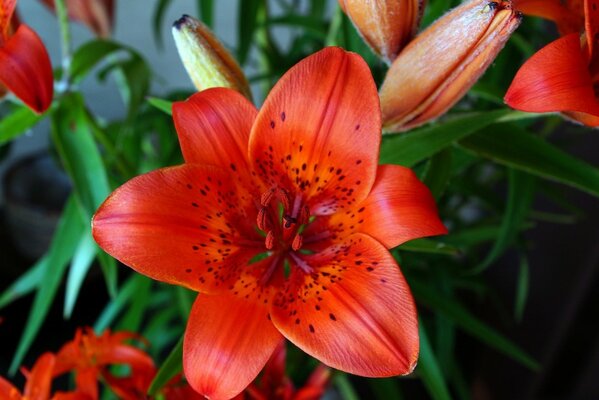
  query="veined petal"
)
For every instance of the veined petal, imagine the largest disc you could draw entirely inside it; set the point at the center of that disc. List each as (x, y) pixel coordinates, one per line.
(188, 225)
(25, 69)
(39, 380)
(354, 312)
(556, 78)
(567, 15)
(319, 131)
(214, 128)
(8, 391)
(227, 342)
(7, 8)
(399, 208)
(585, 119)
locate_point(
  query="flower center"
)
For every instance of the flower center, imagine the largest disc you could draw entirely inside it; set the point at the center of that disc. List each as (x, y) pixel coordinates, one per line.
(282, 220)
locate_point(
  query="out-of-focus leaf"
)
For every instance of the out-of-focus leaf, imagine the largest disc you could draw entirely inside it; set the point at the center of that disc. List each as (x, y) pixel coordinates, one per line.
(308, 24)
(345, 387)
(521, 288)
(133, 79)
(438, 172)
(411, 147)
(470, 324)
(17, 122)
(429, 370)
(476, 235)
(513, 146)
(114, 307)
(248, 15)
(429, 246)
(386, 388)
(520, 196)
(131, 321)
(82, 261)
(64, 242)
(91, 54)
(162, 105)
(434, 10)
(26, 283)
(158, 20)
(206, 11)
(171, 367)
(185, 298)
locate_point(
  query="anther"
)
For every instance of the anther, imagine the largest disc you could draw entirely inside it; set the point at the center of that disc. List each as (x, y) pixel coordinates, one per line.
(263, 219)
(297, 242)
(289, 221)
(270, 240)
(266, 197)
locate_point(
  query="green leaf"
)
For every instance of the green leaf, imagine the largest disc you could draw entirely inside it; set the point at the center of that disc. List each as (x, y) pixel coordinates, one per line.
(162, 105)
(206, 11)
(171, 367)
(470, 324)
(26, 283)
(131, 321)
(429, 370)
(82, 261)
(91, 54)
(521, 288)
(17, 122)
(438, 172)
(513, 146)
(114, 307)
(520, 196)
(65, 241)
(429, 246)
(248, 14)
(411, 147)
(345, 387)
(158, 20)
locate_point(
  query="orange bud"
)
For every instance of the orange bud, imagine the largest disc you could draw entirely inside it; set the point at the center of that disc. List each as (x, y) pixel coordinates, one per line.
(386, 25)
(439, 66)
(206, 60)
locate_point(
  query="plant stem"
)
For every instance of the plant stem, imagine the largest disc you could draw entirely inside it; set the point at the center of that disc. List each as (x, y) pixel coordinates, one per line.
(65, 41)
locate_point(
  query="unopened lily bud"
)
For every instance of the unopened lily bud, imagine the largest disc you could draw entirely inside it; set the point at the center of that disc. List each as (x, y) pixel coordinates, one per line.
(386, 25)
(441, 64)
(206, 60)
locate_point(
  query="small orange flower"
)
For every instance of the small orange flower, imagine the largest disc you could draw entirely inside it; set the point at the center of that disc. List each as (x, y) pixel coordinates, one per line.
(97, 15)
(38, 385)
(89, 356)
(440, 65)
(563, 76)
(386, 25)
(25, 67)
(281, 218)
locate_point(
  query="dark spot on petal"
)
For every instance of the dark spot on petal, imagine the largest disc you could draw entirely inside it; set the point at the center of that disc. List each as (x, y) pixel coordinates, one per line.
(283, 116)
(332, 317)
(233, 167)
(272, 124)
(311, 328)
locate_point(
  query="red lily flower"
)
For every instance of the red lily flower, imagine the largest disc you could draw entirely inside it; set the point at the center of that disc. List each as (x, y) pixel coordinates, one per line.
(563, 76)
(90, 355)
(281, 219)
(38, 384)
(275, 385)
(97, 15)
(567, 14)
(25, 67)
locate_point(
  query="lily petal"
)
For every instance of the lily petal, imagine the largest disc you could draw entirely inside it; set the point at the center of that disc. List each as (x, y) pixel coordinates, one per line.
(25, 69)
(8, 391)
(194, 212)
(320, 125)
(567, 15)
(227, 342)
(214, 127)
(556, 78)
(7, 8)
(398, 209)
(354, 312)
(39, 380)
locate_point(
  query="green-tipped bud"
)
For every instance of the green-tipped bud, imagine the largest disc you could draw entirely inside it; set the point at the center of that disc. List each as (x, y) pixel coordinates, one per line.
(206, 60)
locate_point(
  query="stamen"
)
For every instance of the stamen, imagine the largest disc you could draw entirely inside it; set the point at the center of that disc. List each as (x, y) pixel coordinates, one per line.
(297, 242)
(271, 269)
(263, 219)
(267, 196)
(301, 263)
(284, 199)
(269, 242)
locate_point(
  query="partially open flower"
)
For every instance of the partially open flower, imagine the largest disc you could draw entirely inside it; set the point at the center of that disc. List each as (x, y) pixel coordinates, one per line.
(386, 25)
(97, 15)
(206, 60)
(439, 66)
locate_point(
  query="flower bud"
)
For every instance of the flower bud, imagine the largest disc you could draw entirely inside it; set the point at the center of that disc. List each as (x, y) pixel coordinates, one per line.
(439, 66)
(386, 25)
(97, 15)
(206, 60)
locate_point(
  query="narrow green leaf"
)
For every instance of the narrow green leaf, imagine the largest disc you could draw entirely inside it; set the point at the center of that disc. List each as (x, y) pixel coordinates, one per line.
(17, 123)
(411, 147)
(248, 14)
(114, 307)
(470, 324)
(158, 20)
(162, 105)
(520, 196)
(429, 246)
(82, 261)
(513, 146)
(26, 283)
(91, 54)
(477, 234)
(429, 370)
(345, 387)
(438, 172)
(171, 367)
(206, 11)
(66, 238)
(131, 321)
(308, 24)
(521, 288)
(386, 388)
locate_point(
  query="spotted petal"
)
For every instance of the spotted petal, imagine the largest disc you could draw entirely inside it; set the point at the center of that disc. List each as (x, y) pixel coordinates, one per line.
(319, 131)
(227, 342)
(354, 312)
(398, 209)
(187, 225)
(25, 69)
(556, 78)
